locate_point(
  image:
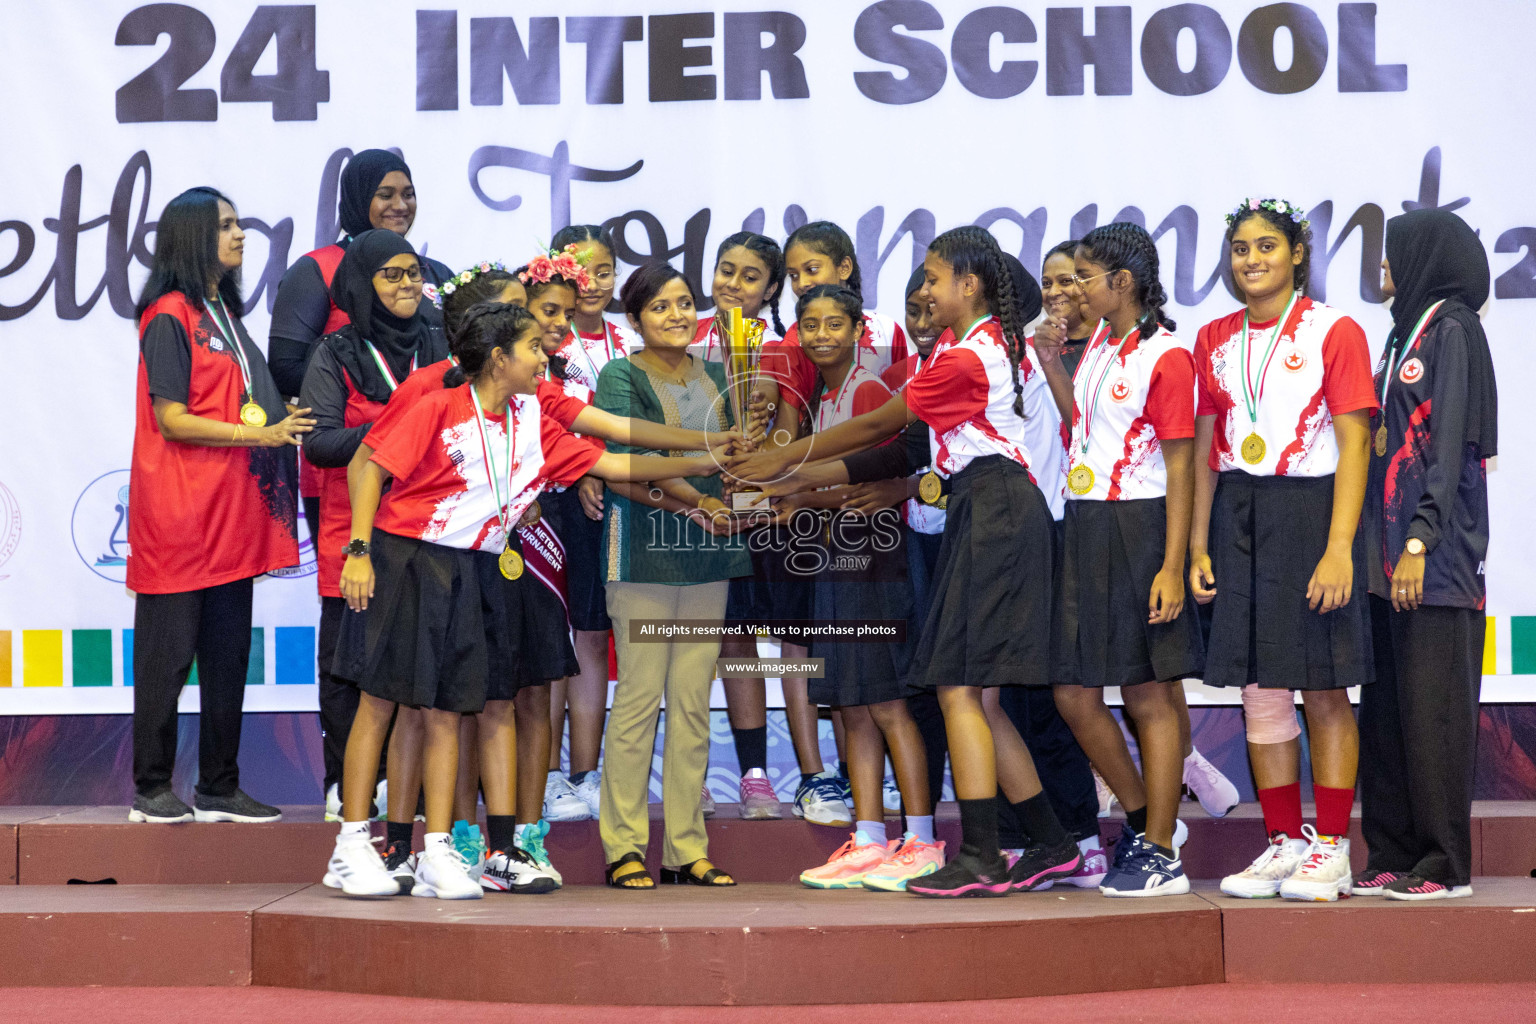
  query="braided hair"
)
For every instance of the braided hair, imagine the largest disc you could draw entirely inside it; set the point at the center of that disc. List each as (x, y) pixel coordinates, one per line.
(1285, 218)
(485, 327)
(832, 242)
(483, 287)
(767, 250)
(1127, 246)
(973, 250)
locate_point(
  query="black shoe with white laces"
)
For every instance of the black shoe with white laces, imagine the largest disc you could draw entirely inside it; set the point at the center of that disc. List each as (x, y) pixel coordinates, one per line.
(235, 807)
(164, 808)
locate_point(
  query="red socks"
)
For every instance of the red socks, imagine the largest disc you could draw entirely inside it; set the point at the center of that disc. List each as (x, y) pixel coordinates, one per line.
(1282, 809)
(1333, 809)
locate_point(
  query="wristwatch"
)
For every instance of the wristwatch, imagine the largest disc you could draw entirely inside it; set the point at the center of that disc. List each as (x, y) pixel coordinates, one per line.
(355, 548)
(1414, 546)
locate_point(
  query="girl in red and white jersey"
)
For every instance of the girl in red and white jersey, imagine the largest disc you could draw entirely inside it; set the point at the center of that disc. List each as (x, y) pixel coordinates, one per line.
(1284, 413)
(431, 621)
(990, 622)
(821, 253)
(749, 273)
(1124, 618)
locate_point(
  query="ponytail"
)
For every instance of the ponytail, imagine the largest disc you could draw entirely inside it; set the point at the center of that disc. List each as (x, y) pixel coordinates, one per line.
(1127, 246)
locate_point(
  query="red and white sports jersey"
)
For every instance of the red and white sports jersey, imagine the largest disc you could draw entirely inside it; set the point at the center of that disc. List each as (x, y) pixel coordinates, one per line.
(1043, 435)
(585, 354)
(964, 392)
(553, 401)
(442, 490)
(1145, 395)
(882, 344)
(861, 392)
(1320, 366)
(706, 341)
(922, 517)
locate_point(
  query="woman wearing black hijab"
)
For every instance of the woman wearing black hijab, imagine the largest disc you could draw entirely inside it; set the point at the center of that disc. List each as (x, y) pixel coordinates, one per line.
(1426, 535)
(355, 369)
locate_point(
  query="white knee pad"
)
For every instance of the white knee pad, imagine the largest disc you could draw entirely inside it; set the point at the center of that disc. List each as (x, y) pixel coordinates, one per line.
(1270, 715)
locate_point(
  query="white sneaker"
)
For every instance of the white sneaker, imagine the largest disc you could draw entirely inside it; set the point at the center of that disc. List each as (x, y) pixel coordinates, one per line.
(381, 800)
(890, 796)
(1213, 789)
(1105, 794)
(561, 802)
(1261, 880)
(357, 869)
(530, 839)
(590, 790)
(333, 803)
(1180, 834)
(1324, 876)
(442, 873)
(515, 871)
(820, 801)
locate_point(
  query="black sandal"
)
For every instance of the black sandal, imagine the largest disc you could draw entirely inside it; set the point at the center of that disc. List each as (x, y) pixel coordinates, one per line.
(685, 876)
(623, 881)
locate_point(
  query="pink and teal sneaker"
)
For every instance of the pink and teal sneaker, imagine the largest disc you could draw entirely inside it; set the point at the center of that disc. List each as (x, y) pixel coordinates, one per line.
(846, 868)
(912, 859)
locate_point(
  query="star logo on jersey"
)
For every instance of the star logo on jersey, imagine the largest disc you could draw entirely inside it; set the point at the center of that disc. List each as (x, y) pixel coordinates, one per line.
(1412, 370)
(1120, 390)
(1295, 362)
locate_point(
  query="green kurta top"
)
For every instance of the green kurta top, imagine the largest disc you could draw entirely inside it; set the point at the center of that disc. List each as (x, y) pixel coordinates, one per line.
(642, 544)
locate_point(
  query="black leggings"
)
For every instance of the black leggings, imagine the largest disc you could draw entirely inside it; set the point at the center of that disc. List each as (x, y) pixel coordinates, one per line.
(169, 630)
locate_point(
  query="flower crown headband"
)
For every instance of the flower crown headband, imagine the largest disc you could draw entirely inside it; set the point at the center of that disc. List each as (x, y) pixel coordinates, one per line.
(459, 280)
(1279, 206)
(567, 264)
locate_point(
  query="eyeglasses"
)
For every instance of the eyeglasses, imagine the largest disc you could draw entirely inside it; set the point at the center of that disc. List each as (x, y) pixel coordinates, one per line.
(1080, 281)
(393, 274)
(604, 278)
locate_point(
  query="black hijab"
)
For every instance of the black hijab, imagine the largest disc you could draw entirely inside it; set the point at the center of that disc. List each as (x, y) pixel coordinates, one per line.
(1434, 255)
(1025, 288)
(396, 338)
(359, 181)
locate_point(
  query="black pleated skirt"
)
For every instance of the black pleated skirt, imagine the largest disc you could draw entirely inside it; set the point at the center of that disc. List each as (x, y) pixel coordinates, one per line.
(583, 538)
(1267, 535)
(876, 671)
(532, 632)
(1113, 551)
(431, 635)
(781, 586)
(989, 615)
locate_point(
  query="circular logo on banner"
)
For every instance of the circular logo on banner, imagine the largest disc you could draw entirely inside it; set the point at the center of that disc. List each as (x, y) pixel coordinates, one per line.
(99, 526)
(10, 525)
(307, 565)
(1120, 390)
(1295, 362)
(1412, 370)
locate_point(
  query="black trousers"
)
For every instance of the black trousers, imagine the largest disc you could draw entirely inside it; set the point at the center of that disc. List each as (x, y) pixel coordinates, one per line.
(1418, 740)
(169, 630)
(1064, 771)
(338, 697)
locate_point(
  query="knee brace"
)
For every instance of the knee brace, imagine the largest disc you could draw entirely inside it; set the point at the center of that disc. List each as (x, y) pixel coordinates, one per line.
(1270, 715)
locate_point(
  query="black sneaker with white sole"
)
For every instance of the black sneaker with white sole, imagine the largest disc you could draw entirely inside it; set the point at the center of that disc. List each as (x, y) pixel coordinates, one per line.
(400, 862)
(164, 808)
(235, 807)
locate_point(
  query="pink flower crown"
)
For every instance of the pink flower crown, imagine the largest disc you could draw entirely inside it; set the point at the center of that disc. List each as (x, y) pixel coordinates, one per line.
(565, 264)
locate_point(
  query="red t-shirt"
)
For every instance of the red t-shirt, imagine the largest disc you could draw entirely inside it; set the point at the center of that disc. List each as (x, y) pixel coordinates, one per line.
(198, 516)
(442, 490)
(882, 344)
(964, 392)
(1319, 366)
(553, 401)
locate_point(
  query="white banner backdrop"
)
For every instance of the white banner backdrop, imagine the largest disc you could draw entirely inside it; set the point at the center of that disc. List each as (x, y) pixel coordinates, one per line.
(681, 123)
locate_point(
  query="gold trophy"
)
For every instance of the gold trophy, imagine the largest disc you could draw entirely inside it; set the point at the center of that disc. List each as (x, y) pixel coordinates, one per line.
(742, 340)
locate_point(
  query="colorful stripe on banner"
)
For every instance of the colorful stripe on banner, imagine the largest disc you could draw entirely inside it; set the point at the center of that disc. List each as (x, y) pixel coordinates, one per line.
(295, 657)
(5, 657)
(92, 649)
(42, 657)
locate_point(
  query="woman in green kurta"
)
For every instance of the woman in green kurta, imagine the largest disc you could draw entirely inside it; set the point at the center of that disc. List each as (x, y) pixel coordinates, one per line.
(668, 554)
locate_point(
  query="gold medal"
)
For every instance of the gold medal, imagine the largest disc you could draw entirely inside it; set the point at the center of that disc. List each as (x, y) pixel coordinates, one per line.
(253, 415)
(929, 488)
(1080, 480)
(1381, 440)
(1253, 449)
(533, 514)
(511, 564)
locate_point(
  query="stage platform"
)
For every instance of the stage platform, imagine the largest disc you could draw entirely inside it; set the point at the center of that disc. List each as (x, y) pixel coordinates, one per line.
(57, 845)
(754, 945)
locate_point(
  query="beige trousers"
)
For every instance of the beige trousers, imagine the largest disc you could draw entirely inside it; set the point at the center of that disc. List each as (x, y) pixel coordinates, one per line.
(682, 672)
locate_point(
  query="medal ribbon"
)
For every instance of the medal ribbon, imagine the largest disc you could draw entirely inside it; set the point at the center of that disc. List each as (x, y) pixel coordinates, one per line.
(1251, 392)
(490, 463)
(394, 385)
(220, 317)
(586, 356)
(1393, 354)
(1102, 367)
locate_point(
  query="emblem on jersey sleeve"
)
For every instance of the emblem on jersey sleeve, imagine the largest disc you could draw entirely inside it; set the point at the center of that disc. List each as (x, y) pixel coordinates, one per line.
(1412, 370)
